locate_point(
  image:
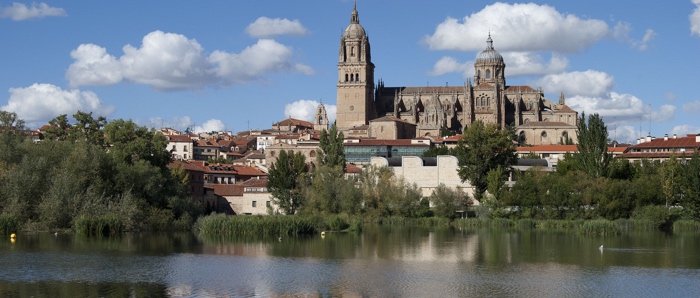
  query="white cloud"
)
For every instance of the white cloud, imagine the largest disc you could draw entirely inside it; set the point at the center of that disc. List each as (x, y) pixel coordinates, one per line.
(589, 83)
(306, 110)
(692, 107)
(621, 107)
(209, 126)
(21, 12)
(621, 32)
(518, 27)
(178, 123)
(684, 129)
(695, 19)
(265, 27)
(93, 66)
(39, 103)
(168, 61)
(450, 64)
(524, 63)
(622, 132)
(265, 56)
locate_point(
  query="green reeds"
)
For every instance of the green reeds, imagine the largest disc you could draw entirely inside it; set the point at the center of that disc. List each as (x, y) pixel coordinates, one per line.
(260, 226)
(8, 224)
(686, 225)
(101, 226)
(599, 227)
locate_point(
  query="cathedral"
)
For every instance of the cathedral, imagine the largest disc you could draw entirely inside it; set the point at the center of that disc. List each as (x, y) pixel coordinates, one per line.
(378, 111)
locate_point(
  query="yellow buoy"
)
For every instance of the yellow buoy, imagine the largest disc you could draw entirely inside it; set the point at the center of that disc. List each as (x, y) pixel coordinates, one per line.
(13, 236)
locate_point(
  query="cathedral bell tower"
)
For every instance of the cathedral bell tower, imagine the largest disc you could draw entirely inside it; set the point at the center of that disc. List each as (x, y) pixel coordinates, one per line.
(355, 97)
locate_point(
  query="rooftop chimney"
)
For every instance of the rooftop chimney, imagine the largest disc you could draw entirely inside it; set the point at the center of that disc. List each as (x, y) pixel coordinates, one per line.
(674, 136)
(665, 137)
(697, 138)
(648, 138)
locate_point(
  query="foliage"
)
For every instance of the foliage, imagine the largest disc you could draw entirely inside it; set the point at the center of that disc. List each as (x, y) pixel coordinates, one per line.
(690, 188)
(329, 192)
(481, 149)
(447, 201)
(592, 157)
(285, 179)
(599, 228)
(332, 148)
(386, 195)
(658, 216)
(258, 226)
(437, 150)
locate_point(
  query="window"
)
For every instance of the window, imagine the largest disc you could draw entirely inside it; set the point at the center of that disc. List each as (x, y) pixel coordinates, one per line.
(488, 73)
(267, 204)
(357, 77)
(346, 77)
(255, 204)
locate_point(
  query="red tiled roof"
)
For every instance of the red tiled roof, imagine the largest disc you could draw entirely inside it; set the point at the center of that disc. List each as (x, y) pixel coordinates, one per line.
(249, 171)
(681, 142)
(561, 148)
(255, 182)
(188, 166)
(352, 169)
(294, 122)
(226, 189)
(179, 139)
(565, 109)
(519, 89)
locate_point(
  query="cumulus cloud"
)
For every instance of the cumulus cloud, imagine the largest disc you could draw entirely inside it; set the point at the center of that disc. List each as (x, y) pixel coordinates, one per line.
(168, 61)
(589, 83)
(21, 12)
(695, 19)
(692, 107)
(209, 126)
(265, 27)
(39, 103)
(621, 32)
(306, 110)
(519, 64)
(450, 64)
(685, 129)
(518, 27)
(623, 107)
(528, 63)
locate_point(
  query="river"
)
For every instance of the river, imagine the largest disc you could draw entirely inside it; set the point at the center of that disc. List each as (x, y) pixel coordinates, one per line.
(379, 262)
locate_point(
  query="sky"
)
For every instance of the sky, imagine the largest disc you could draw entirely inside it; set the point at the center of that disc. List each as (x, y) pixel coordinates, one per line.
(240, 65)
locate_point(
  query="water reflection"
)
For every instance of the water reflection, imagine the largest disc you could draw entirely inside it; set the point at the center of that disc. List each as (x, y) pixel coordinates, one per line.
(379, 262)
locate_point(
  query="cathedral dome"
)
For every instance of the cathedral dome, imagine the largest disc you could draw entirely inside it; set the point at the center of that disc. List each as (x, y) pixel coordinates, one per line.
(354, 31)
(489, 55)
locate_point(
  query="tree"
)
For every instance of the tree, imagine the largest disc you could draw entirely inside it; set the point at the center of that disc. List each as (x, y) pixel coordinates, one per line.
(329, 192)
(285, 179)
(481, 149)
(690, 189)
(670, 173)
(593, 157)
(332, 148)
(448, 201)
(89, 129)
(436, 150)
(130, 143)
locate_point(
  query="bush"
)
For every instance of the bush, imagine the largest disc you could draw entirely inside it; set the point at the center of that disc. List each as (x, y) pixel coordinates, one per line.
(336, 223)
(652, 215)
(258, 226)
(686, 225)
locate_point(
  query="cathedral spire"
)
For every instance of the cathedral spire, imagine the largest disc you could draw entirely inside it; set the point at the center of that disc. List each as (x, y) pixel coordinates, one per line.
(354, 18)
(562, 101)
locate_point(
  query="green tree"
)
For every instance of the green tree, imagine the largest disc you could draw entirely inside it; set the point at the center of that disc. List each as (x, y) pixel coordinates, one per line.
(329, 192)
(130, 143)
(58, 128)
(332, 148)
(481, 149)
(285, 179)
(592, 157)
(447, 201)
(437, 150)
(88, 129)
(690, 187)
(670, 173)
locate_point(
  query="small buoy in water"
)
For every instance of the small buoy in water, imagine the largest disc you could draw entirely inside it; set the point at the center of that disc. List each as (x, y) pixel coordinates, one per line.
(323, 233)
(13, 236)
(55, 234)
(279, 239)
(601, 247)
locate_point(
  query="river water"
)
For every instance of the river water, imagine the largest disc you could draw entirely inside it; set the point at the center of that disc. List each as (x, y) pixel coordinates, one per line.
(379, 262)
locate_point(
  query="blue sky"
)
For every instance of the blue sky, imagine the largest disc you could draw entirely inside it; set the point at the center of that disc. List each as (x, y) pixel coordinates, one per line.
(234, 65)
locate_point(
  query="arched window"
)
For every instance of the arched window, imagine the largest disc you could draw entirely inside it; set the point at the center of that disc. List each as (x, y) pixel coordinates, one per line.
(488, 73)
(346, 77)
(521, 137)
(478, 73)
(543, 135)
(312, 153)
(352, 51)
(357, 77)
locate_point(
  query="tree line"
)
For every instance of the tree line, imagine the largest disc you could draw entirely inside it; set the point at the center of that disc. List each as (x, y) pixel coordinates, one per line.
(90, 170)
(587, 185)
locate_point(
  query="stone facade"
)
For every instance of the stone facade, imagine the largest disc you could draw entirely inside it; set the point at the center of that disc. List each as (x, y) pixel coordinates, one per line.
(428, 173)
(488, 99)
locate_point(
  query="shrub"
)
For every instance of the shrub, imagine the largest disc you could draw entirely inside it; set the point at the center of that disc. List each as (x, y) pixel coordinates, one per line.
(8, 224)
(652, 215)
